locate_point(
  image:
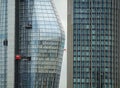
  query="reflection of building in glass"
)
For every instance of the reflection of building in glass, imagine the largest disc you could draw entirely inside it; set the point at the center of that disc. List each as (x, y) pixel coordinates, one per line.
(31, 32)
(93, 34)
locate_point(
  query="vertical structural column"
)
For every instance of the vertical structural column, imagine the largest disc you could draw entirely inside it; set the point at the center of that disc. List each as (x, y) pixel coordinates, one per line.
(70, 45)
(11, 43)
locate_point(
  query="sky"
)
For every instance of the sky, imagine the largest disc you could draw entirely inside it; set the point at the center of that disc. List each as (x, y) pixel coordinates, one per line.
(61, 7)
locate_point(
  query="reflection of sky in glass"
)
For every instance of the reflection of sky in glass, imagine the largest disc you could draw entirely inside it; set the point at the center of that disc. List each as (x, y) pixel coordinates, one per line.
(43, 43)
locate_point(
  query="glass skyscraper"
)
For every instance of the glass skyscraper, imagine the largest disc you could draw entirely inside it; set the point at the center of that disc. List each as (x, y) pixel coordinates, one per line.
(3, 42)
(93, 44)
(31, 44)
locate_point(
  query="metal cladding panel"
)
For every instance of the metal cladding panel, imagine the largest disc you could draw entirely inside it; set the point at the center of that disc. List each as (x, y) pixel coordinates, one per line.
(11, 43)
(70, 44)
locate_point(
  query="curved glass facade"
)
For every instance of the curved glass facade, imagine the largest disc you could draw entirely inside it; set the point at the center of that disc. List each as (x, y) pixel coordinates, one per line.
(3, 43)
(41, 43)
(96, 43)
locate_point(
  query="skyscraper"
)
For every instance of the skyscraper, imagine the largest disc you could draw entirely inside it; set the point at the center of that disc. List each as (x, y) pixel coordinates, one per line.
(93, 44)
(31, 44)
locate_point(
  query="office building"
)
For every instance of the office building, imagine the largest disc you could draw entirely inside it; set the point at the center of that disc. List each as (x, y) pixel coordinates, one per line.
(93, 44)
(31, 44)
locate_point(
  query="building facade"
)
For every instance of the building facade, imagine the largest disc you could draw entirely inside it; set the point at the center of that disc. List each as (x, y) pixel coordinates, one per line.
(93, 34)
(3, 37)
(31, 44)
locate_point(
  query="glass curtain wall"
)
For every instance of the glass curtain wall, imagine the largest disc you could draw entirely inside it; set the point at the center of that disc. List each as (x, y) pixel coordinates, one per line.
(3, 43)
(96, 44)
(41, 42)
